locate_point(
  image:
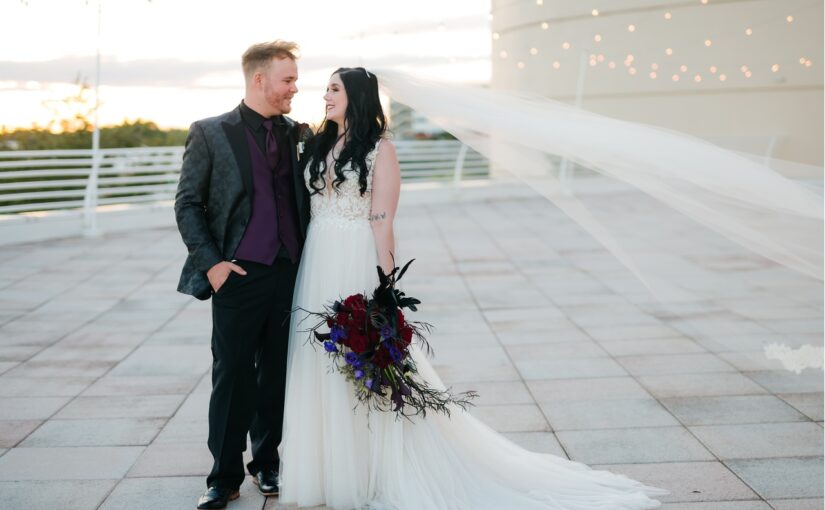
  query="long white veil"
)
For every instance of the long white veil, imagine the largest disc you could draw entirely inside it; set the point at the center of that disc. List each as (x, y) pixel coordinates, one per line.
(734, 196)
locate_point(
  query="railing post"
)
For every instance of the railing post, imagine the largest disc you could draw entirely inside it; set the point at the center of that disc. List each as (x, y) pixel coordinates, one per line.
(564, 172)
(90, 199)
(459, 164)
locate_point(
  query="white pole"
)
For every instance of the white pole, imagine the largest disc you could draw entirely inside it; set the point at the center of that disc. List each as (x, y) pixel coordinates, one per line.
(564, 173)
(90, 199)
(458, 170)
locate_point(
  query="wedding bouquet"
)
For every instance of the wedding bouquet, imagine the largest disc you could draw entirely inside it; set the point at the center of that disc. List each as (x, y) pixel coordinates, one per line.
(369, 341)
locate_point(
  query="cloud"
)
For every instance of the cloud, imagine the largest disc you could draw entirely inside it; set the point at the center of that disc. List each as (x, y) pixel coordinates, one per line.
(180, 73)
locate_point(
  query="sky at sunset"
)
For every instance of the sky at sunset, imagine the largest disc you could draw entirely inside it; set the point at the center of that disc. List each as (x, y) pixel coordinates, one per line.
(174, 61)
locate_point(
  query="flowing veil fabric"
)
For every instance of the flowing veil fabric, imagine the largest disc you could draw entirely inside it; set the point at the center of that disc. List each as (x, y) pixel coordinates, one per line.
(743, 200)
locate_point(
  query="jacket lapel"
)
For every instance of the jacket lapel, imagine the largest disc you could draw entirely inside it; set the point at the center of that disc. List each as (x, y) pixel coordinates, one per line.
(234, 129)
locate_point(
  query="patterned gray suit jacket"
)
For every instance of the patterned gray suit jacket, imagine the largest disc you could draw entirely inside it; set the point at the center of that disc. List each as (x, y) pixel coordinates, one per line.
(214, 196)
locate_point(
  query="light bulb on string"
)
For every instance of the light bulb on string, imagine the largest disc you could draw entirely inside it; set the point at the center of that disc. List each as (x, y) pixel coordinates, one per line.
(502, 54)
(594, 12)
(652, 75)
(668, 16)
(632, 71)
(654, 66)
(697, 78)
(631, 28)
(496, 36)
(713, 69)
(611, 64)
(565, 45)
(749, 31)
(748, 74)
(534, 51)
(722, 77)
(789, 19)
(744, 69)
(669, 51)
(708, 43)
(775, 68)
(600, 57)
(520, 65)
(556, 64)
(808, 63)
(675, 77)
(545, 25)
(802, 60)
(683, 68)
(597, 38)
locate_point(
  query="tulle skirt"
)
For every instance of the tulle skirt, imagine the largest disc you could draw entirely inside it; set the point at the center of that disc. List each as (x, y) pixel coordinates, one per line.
(335, 453)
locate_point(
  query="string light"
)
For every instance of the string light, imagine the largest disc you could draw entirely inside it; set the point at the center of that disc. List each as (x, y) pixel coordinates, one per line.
(503, 54)
(683, 68)
(631, 28)
(652, 75)
(545, 25)
(675, 77)
(789, 19)
(556, 64)
(597, 38)
(744, 69)
(496, 36)
(748, 74)
(539, 2)
(565, 45)
(713, 69)
(802, 60)
(630, 57)
(749, 31)
(593, 62)
(600, 57)
(708, 42)
(654, 66)
(775, 68)
(808, 63)
(668, 16)
(632, 71)
(669, 51)
(611, 64)
(697, 78)
(722, 77)
(534, 51)
(594, 12)
(520, 65)
(704, 2)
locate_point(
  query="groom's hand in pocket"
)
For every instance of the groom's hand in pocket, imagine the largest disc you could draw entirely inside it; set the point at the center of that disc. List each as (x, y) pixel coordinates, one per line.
(218, 273)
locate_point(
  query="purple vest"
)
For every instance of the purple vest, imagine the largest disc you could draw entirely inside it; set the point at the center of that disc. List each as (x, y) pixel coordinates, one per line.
(274, 219)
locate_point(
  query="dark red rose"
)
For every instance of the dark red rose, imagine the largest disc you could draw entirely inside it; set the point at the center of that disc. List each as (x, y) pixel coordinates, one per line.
(382, 357)
(330, 322)
(355, 301)
(406, 335)
(357, 342)
(342, 318)
(399, 316)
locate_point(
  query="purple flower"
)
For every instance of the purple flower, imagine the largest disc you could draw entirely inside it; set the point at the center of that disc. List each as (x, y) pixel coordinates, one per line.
(330, 346)
(358, 374)
(368, 384)
(337, 334)
(386, 331)
(395, 354)
(352, 359)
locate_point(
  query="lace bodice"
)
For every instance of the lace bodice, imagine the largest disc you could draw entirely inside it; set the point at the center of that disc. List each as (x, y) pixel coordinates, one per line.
(344, 201)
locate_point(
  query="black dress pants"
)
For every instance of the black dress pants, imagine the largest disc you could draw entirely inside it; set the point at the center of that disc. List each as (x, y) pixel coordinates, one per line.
(250, 332)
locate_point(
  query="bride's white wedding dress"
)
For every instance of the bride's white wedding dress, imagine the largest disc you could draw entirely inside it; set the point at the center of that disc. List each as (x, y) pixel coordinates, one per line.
(351, 459)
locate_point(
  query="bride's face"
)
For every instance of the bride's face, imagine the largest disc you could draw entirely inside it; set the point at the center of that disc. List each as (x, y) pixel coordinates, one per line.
(336, 100)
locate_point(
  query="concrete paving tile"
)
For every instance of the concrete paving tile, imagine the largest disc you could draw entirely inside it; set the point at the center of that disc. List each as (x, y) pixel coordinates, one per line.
(42, 386)
(631, 332)
(136, 385)
(783, 381)
(781, 478)
(196, 405)
(166, 360)
(110, 432)
(47, 494)
(651, 346)
(731, 409)
(698, 385)
(563, 334)
(172, 493)
(466, 372)
(761, 440)
(718, 505)
(180, 429)
(182, 459)
(797, 504)
(636, 445)
(512, 418)
(59, 352)
(578, 389)
(87, 369)
(556, 351)
(688, 481)
(157, 406)
(809, 404)
(750, 360)
(539, 442)
(5, 366)
(18, 352)
(671, 364)
(75, 463)
(527, 314)
(25, 408)
(602, 413)
(497, 393)
(569, 368)
(14, 431)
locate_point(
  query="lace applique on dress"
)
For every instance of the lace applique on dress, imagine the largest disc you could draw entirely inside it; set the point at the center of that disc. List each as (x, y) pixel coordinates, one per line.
(344, 201)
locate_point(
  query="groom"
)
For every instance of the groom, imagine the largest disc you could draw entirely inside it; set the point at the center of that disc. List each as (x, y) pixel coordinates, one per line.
(242, 210)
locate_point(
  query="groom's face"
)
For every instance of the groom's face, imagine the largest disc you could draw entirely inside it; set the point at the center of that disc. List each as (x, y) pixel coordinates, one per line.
(278, 85)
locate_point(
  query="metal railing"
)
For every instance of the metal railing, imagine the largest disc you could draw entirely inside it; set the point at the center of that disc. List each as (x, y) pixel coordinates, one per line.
(60, 179)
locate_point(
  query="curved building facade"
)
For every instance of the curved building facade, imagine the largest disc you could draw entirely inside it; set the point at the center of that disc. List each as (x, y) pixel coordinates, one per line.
(747, 74)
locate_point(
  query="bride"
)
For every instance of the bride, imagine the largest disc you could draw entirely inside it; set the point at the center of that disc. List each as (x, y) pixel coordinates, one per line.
(338, 454)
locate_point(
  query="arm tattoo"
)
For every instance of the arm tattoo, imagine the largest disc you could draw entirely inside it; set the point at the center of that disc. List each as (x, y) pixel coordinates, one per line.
(376, 217)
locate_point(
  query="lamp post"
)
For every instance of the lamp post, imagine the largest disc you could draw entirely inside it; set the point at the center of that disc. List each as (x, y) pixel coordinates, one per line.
(90, 198)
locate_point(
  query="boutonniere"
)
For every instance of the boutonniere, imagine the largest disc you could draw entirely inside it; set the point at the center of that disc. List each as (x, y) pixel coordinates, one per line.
(302, 134)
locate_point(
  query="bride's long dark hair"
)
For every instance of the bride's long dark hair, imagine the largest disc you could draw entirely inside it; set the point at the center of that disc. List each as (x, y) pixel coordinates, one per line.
(364, 124)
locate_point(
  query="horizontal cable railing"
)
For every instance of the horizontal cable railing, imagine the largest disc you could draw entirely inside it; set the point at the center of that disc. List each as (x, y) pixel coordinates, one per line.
(58, 179)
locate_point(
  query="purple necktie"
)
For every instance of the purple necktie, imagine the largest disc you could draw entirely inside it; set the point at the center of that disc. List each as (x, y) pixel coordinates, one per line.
(271, 144)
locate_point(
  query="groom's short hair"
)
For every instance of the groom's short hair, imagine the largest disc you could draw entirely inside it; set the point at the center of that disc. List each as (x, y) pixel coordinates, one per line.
(260, 55)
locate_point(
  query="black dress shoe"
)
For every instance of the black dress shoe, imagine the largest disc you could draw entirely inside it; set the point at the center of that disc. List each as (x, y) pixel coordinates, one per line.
(267, 482)
(217, 497)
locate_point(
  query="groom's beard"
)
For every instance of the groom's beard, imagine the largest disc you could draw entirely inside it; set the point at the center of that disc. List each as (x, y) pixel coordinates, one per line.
(280, 103)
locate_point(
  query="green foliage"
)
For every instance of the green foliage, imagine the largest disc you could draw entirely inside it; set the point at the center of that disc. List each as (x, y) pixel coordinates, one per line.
(140, 133)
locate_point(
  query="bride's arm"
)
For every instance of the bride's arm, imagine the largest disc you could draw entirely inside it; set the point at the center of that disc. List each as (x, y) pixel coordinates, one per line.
(386, 187)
